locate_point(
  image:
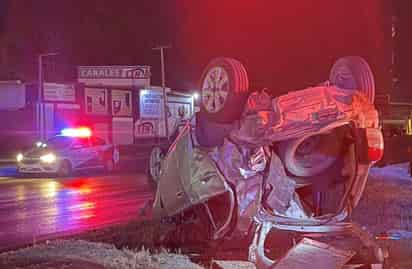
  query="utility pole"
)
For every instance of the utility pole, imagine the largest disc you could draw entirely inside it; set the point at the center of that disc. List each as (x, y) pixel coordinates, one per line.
(40, 109)
(162, 63)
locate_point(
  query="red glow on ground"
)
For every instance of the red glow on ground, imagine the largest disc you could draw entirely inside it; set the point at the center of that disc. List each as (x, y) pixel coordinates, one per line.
(79, 185)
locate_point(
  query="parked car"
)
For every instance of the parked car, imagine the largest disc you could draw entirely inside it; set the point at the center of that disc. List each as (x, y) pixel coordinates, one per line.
(74, 149)
(297, 163)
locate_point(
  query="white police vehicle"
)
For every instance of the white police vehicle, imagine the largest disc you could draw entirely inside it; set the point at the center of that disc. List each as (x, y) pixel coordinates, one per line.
(74, 149)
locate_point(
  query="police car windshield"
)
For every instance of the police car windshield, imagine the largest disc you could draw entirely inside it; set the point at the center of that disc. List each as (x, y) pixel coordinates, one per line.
(59, 142)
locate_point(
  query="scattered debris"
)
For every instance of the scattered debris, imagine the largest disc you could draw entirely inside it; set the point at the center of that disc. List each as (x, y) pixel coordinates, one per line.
(314, 254)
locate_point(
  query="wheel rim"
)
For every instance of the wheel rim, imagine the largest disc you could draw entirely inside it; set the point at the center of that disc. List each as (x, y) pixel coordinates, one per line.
(315, 154)
(215, 89)
(344, 78)
(308, 145)
(155, 162)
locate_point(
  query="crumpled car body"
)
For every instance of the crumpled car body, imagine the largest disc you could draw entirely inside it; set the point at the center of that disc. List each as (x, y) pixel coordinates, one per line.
(245, 185)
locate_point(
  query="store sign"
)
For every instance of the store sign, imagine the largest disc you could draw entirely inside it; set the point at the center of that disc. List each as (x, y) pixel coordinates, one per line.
(146, 128)
(113, 72)
(121, 103)
(151, 104)
(59, 92)
(115, 76)
(96, 101)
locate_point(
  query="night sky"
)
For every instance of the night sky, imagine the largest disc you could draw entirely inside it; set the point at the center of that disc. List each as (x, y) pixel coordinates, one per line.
(285, 45)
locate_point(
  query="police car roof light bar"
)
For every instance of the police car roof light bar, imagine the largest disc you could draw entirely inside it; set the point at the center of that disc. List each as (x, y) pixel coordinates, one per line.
(77, 132)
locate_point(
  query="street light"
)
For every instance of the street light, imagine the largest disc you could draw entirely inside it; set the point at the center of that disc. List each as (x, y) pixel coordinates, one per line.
(40, 63)
(162, 63)
(40, 112)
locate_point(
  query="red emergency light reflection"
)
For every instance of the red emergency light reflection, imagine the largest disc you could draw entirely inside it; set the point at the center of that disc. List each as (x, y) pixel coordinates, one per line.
(79, 186)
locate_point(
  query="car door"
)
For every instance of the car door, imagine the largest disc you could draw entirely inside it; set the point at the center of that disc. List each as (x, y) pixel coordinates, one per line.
(188, 177)
(80, 153)
(100, 150)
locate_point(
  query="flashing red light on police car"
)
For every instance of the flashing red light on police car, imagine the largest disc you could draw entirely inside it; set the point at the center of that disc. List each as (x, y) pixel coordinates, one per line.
(77, 132)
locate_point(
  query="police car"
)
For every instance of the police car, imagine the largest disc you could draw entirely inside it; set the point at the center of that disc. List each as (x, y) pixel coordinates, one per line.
(74, 149)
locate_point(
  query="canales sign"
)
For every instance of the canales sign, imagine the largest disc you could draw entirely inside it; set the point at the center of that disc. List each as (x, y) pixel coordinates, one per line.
(116, 75)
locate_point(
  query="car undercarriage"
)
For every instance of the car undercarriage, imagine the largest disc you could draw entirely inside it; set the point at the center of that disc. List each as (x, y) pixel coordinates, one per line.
(296, 163)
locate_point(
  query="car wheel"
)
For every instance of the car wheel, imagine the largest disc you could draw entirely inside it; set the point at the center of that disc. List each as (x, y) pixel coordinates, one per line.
(353, 73)
(156, 156)
(224, 89)
(65, 169)
(109, 165)
(310, 155)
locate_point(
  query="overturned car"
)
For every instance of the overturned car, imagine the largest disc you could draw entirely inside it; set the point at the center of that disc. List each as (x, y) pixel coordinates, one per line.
(255, 165)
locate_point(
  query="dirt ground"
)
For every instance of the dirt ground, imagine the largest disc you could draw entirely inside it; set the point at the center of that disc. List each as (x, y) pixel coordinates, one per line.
(385, 208)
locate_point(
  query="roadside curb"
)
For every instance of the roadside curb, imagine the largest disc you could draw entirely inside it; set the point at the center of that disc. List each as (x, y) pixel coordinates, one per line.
(57, 263)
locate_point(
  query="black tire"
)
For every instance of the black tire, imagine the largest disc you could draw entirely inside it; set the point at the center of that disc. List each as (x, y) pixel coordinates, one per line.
(218, 108)
(156, 155)
(353, 73)
(309, 156)
(65, 169)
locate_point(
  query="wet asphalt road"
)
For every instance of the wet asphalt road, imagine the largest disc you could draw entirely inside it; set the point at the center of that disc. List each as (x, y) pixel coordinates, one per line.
(34, 209)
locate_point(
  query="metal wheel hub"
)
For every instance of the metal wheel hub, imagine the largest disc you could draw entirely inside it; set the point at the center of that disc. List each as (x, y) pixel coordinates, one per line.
(215, 89)
(345, 79)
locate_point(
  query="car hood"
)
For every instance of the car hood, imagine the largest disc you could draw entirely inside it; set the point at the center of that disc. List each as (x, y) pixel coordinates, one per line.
(37, 152)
